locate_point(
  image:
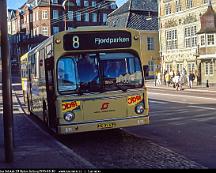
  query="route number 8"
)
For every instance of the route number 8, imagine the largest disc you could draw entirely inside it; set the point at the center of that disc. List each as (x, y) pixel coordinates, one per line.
(76, 43)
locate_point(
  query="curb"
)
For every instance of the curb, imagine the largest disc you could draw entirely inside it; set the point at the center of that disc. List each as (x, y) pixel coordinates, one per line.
(185, 89)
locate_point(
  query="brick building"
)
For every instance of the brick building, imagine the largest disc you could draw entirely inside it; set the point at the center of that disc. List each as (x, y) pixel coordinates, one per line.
(36, 20)
(141, 15)
(188, 38)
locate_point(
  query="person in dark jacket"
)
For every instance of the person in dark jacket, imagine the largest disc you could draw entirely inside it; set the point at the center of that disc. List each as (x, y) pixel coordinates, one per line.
(191, 79)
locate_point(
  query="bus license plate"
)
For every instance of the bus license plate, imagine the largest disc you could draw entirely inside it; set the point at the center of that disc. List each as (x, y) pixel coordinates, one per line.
(106, 125)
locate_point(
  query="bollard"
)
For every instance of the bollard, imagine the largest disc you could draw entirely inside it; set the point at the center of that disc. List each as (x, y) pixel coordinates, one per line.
(207, 84)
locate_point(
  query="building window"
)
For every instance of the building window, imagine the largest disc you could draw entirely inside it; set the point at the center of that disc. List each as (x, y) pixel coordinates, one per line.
(167, 8)
(189, 3)
(30, 17)
(191, 67)
(151, 65)
(178, 5)
(44, 14)
(209, 68)
(55, 1)
(86, 3)
(55, 14)
(78, 2)
(94, 17)
(210, 39)
(86, 17)
(179, 67)
(104, 17)
(94, 3)
(169, 67)
(190, 37)
(202, 40)
(171, 39)
(55, 29)
(70, 15)
(78, 16)
(150, 43)
(45, 31)
(205, 1)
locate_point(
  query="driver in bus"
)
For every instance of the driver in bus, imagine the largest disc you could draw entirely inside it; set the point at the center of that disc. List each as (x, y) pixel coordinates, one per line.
(87, 70)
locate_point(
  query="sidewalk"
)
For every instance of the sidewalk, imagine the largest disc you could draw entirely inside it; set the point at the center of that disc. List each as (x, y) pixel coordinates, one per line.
(34, 148)
(196, 88)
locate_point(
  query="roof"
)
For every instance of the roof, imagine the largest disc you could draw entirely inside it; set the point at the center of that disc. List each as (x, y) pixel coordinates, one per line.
(210, 25)
(134, 14)
(140, 22)
(136, 5)
(35, 3)
(11, 13)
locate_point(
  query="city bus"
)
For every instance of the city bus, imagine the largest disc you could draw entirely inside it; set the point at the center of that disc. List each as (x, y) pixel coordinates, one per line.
(88, 79)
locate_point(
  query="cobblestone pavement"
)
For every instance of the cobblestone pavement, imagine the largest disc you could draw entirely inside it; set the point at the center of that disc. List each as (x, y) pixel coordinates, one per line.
(119, 149)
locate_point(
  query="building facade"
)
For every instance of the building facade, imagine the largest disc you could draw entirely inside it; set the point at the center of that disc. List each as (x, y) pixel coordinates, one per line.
(36, 20)
(141, 15)
(185, 46)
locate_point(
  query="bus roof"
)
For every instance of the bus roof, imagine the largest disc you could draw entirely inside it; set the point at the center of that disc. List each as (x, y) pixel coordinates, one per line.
(97, 28)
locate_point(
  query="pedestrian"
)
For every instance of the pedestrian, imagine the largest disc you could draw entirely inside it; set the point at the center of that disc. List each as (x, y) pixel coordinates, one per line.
(167, 79)
(181, 81)
(191, 79)
(164, 77)
(177, 81)
(158, 78)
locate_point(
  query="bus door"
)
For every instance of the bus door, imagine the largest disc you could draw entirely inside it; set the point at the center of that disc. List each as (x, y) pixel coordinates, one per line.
(49, 75)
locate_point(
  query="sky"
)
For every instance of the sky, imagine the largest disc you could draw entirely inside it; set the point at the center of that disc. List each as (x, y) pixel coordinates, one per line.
(15, 4)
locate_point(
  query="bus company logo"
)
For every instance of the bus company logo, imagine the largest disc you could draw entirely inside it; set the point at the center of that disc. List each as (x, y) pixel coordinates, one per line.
(104, 106)
(133, 100)
(69, 106)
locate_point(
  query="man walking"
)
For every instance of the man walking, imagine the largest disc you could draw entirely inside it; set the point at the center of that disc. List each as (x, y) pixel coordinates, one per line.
(191, 79)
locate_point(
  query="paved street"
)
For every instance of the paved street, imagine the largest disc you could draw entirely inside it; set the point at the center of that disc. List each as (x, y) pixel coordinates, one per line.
(184, 122)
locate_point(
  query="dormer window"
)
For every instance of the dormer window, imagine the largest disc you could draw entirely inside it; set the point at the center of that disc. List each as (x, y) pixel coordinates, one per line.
(210, 39)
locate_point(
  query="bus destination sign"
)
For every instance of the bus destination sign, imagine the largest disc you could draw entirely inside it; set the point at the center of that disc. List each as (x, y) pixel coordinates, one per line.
(97, 40)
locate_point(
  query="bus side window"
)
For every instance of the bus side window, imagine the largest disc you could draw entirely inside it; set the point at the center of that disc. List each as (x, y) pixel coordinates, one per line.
(33, 66)
(49, 51)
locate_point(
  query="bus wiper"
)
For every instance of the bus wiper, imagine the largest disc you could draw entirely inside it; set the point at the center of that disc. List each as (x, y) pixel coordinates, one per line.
(121, 87)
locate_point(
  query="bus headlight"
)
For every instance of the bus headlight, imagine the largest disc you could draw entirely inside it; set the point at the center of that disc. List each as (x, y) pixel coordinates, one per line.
(69, 116)
(139, 109)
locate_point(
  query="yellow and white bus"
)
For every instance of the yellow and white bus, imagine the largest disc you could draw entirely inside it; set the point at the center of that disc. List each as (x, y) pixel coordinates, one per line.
(88, 79)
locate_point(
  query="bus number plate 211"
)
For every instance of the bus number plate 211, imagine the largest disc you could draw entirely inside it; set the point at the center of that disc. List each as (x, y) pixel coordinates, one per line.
(106, 125)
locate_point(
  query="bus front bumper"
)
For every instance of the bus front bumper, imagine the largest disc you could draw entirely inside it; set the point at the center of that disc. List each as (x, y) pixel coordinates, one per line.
(102, 125)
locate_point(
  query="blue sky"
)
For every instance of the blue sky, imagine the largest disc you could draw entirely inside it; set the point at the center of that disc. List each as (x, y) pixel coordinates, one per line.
(14, 4)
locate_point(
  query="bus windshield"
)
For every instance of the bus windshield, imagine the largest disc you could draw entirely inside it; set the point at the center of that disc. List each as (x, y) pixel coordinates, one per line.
(99, 72)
